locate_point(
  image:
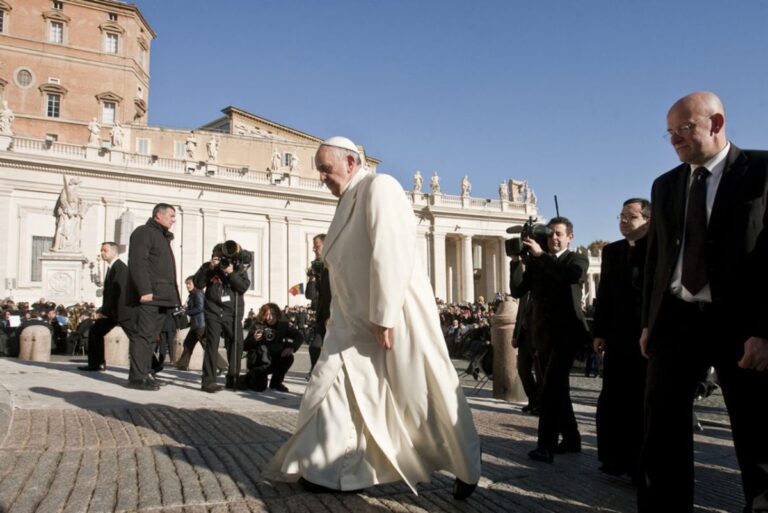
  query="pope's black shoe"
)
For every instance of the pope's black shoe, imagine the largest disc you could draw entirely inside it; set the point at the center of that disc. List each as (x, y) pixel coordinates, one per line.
(462, 490)
(89, 368)
(311, 487)
(541, 454)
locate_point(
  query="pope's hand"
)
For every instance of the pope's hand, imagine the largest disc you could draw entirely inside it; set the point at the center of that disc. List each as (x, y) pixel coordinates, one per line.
(383, 336)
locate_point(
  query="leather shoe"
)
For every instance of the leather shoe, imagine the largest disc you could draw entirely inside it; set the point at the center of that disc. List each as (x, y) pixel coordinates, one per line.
(279, 388)
(541, 454)
(144, 384)
(158, 382)
(462, 490)
(311, 487)
(568, 446)
(529, 408)
(211, 388)
(89, 368)
(230, 382)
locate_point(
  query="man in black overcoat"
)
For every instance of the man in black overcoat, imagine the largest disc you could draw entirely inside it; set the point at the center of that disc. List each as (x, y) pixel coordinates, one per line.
(705, 302)
(114, 307)
(152, 290)
(554, 277)
(616, 330)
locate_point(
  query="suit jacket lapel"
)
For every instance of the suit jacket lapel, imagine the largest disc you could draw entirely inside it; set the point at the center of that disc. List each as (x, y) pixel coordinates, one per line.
(344, 210)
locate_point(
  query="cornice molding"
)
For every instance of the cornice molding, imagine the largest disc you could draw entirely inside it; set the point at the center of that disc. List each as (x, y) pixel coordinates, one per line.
(109, 96)
(5, 6)
(56, 15)
(111, 26)
(53, 89)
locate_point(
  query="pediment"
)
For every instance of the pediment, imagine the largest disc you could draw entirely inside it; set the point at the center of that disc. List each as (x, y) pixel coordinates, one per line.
(111, 26)
(109, 96)
(56, 15)
(53, 89)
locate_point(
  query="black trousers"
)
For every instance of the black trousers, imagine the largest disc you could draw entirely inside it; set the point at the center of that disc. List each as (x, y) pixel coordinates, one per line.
(215, 328)
(278, 368)
(527, 364)
(556, 415)
(148, 321)
(689, 339)
(619, 417)
(96, 335)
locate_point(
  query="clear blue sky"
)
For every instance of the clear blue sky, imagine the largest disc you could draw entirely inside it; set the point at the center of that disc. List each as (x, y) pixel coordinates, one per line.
(570, 95)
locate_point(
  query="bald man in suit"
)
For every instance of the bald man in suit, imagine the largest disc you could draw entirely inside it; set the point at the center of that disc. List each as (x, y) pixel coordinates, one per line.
(704, 302)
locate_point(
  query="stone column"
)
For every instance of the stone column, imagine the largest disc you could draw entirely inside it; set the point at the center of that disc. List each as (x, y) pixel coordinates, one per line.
(296, 265)
(211, 230)
(592, 292)
(467, 276)
(490, 269)
(278, 261)
(193, 252)
(6, 276)
(503, 268)
(112, 211)
(506, 382)
(438, 265)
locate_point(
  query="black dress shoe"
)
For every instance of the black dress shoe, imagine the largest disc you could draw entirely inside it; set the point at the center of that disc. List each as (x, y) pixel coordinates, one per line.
(541, 454)
(568, 446)
(311, 487)
(279, 388)
(462, 490)
(144, 384)
(89, 368)
(158, 382)
(230, 382)
(211, 388)
(530, 408)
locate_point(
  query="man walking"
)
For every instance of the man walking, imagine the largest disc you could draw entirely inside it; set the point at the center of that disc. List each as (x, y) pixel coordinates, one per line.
(152, 289)
(704, 302)
(554, 279)
(616, 329)
(114, 307)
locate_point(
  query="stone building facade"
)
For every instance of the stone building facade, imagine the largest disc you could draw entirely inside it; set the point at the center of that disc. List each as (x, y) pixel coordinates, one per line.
(79, 165)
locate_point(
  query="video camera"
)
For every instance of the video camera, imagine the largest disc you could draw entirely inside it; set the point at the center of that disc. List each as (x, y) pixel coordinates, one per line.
(529, 230)
(232, 253)
(316, 268)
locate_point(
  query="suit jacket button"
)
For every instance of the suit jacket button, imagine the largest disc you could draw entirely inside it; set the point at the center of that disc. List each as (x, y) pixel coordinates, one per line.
(677, 242)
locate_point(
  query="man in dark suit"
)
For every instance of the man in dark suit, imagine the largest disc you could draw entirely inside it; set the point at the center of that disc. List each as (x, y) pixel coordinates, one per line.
(616, 330)
(114, 307)
(704, 302)
(152, 289)
(321, 302)
(554, 278)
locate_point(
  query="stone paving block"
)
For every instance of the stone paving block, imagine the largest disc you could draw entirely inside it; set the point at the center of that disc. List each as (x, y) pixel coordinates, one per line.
(85, 483)
(14, 481)
(127, 480)
(190, 488)
(63, 483)
(148, 478)
(207, 465)
(37, 484)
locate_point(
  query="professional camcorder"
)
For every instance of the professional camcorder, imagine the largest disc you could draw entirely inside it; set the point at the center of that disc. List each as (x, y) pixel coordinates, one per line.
(232, 253)
(529, 230)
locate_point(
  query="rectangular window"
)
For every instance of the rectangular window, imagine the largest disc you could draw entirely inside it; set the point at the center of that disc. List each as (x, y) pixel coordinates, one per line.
(56, 32)
(179, 149)
(142, 146)
(39, 245)
(108, 113)
(112, 16)
(2, 22)
(287, 158)
(110, 43)
(142, 57)
(58, 5)
(53, 80)
(53, 105)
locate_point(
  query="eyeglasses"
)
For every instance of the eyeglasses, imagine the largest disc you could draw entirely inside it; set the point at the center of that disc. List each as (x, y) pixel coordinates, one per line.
(626, 219)
(681, 130)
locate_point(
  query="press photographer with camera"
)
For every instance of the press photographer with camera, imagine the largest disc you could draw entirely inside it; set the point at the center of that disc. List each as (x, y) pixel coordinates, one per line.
(270, 343)
(543, 265)
(225, 280)
(320, 294)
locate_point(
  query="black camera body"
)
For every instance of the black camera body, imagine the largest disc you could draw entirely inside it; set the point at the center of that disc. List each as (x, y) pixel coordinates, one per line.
(233, 254)
(316, 268)
(268, 333)
(529, 230)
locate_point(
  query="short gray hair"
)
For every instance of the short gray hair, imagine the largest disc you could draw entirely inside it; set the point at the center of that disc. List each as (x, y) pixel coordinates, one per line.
(342, 153)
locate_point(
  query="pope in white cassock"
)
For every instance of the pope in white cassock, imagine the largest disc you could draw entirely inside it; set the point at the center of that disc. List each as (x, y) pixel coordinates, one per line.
(384, 402)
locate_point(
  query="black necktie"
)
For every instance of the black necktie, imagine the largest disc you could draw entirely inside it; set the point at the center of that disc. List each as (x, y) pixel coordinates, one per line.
(694, 253)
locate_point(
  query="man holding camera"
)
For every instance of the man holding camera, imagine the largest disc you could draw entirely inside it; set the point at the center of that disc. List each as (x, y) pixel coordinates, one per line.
(321, 302)
(554, 278)
(271, 343)
(225, 280)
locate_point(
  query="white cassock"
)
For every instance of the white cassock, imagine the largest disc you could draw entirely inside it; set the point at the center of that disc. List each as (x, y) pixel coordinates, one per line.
(371, 416)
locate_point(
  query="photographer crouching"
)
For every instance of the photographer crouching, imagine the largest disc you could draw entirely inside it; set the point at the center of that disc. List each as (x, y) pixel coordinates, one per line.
(225, 280)
(270, 343)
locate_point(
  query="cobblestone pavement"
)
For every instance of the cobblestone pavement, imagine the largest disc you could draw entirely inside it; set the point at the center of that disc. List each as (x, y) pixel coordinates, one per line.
(80, 442)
